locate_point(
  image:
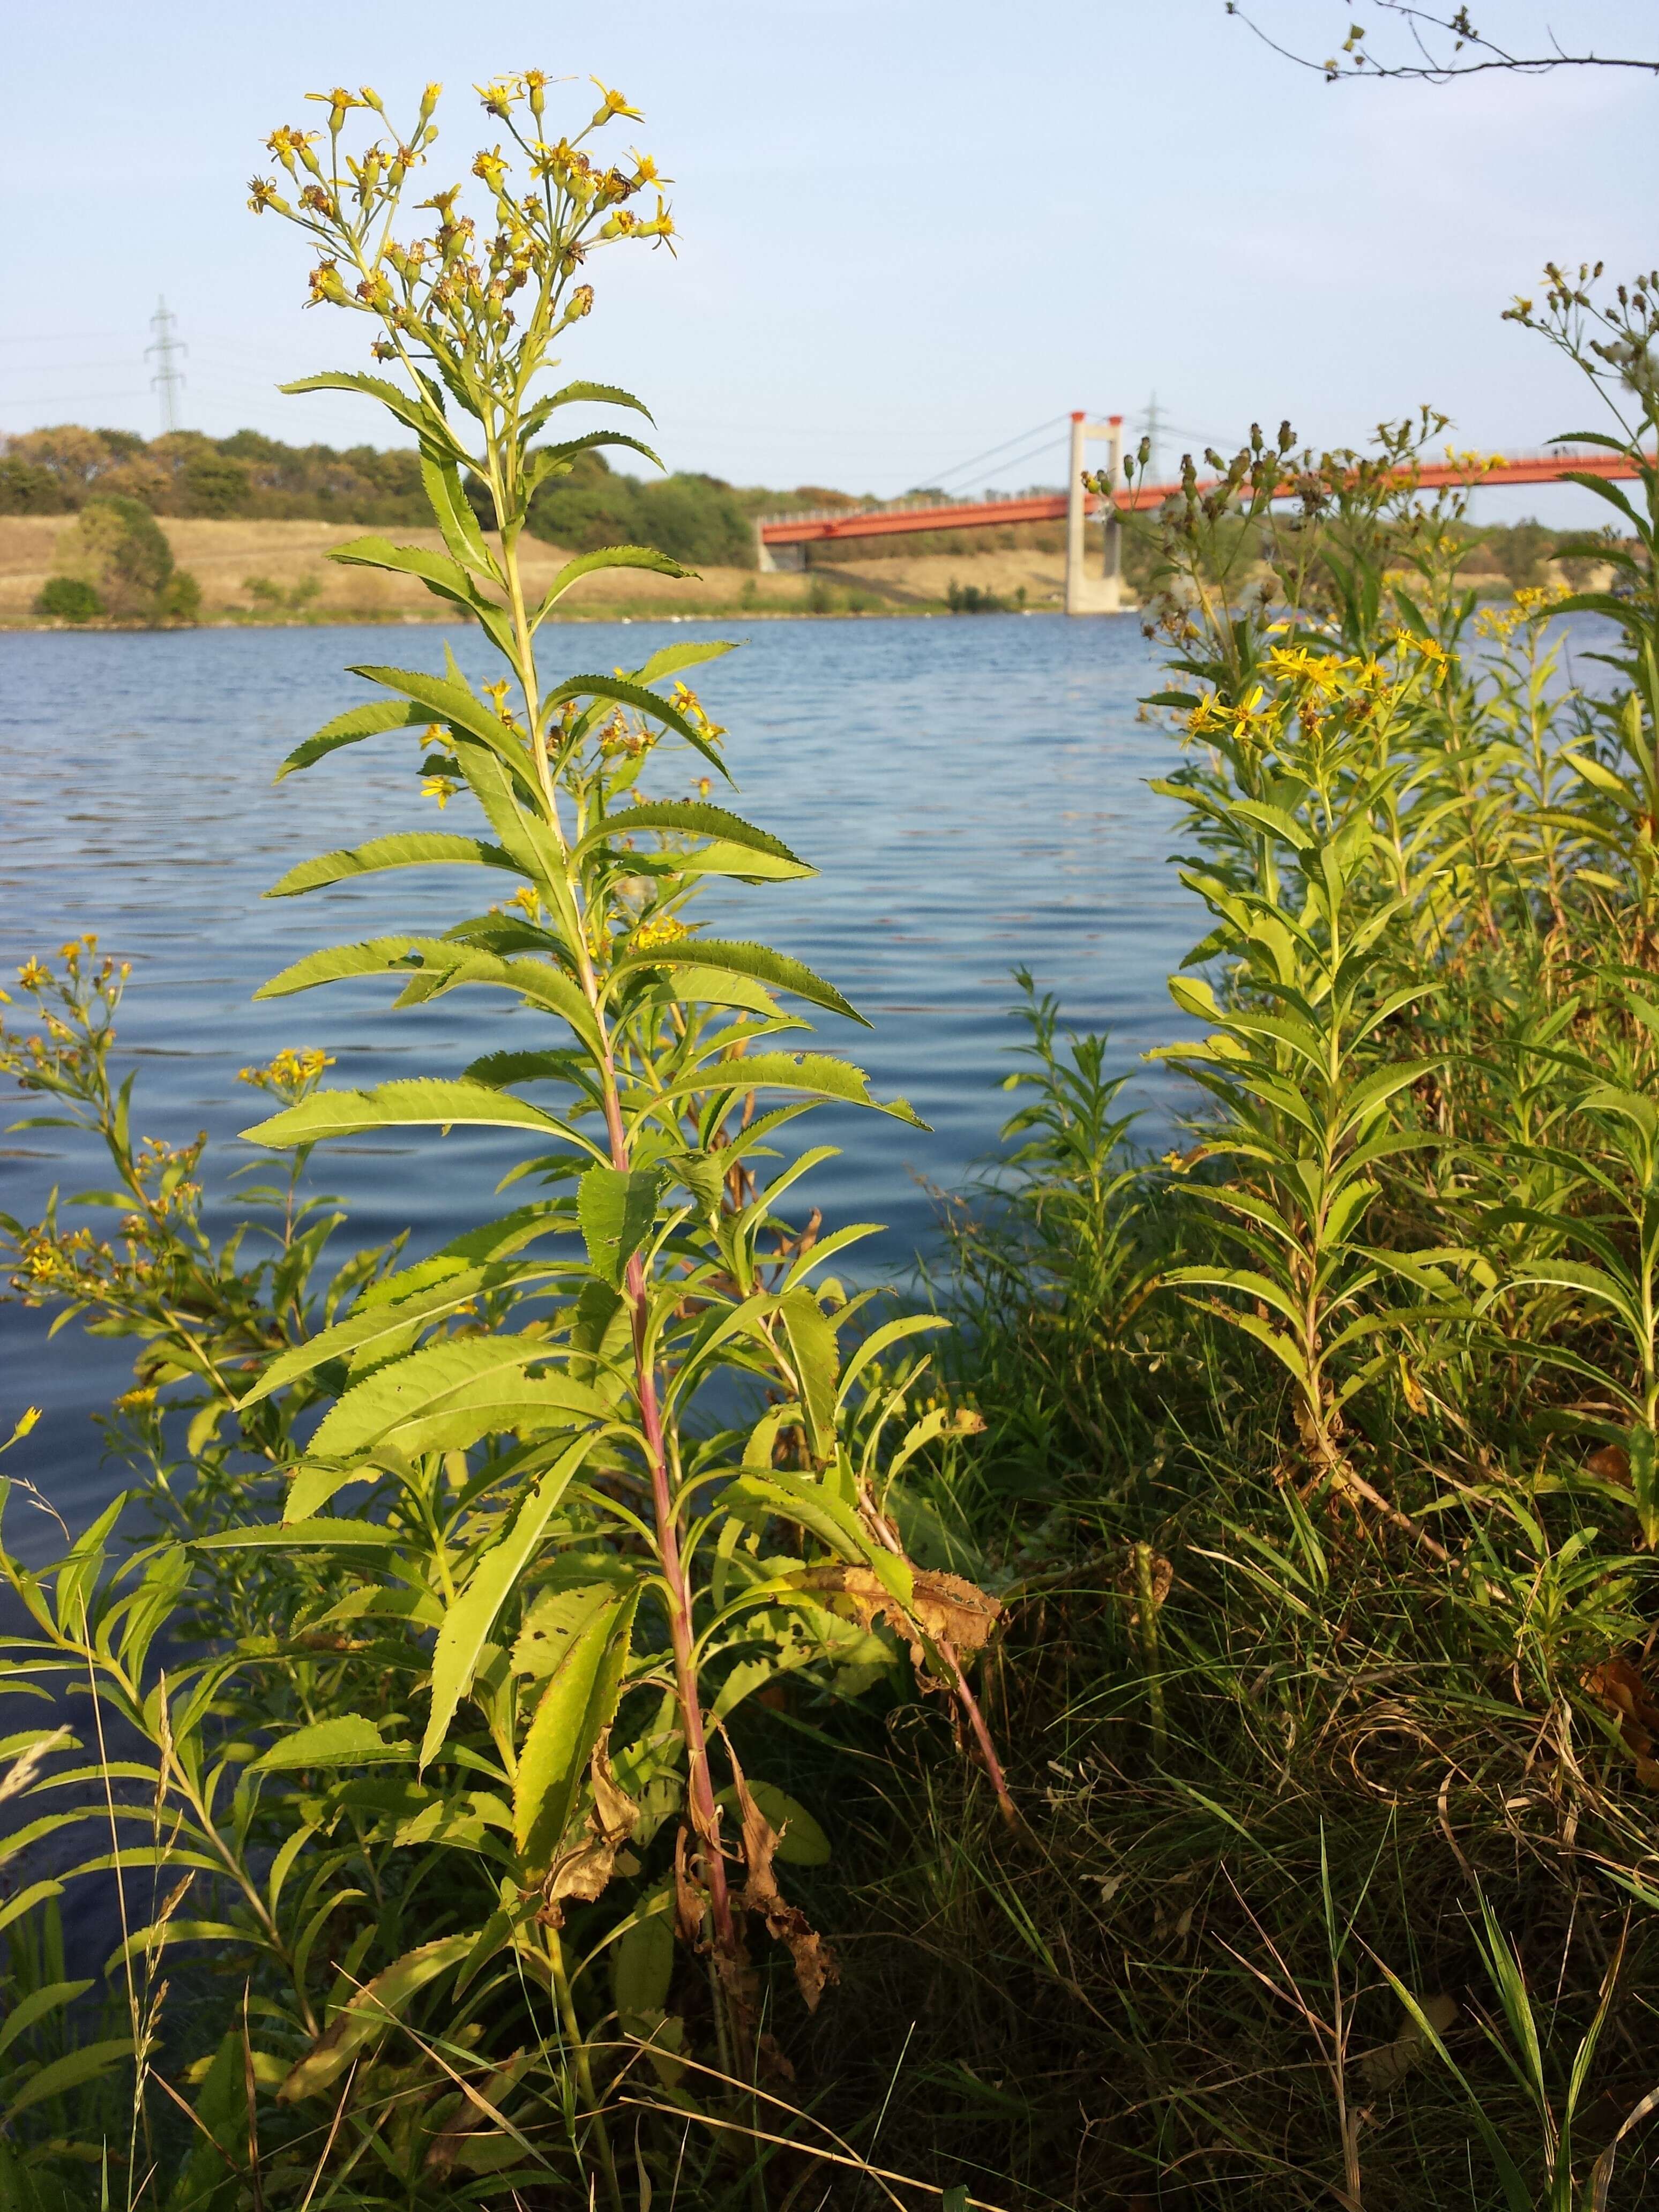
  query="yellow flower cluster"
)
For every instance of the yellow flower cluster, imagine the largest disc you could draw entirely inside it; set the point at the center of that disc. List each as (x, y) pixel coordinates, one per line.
(692, 707)
(1213, 717)
(447, 293)
(651, 934)
(290, 1072)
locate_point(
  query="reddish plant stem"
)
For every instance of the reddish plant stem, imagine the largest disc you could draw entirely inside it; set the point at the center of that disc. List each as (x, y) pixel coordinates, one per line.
(705, 1812)
(988, 1750)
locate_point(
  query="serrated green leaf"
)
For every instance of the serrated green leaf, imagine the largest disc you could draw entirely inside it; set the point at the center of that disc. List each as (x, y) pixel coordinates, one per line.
(420, 1104)
(816, 1358)
(669, 659)
(371, 2010)
(369, 1326)
(606, 556)
(347, 1740)
(557, 1616)
(753, 1495)
(372, 721)
(440, 574)
(328, 1535)
(416, 414)
(430, 965)
(617, 1211)
(413, 848)
(758, 961)
(694, 815)
(604, 395)
(448, 699)
(624, 693)
(472, 1377)
(468, 1622)
(574, 1710)
(815, 1073)
(454, 510)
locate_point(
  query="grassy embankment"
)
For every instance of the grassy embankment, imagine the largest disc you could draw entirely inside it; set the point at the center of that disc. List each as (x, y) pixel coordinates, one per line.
(279, 571)
(274, 572)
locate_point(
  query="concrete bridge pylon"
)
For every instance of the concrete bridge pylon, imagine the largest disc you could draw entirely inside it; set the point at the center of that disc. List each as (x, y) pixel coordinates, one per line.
(1104, 594)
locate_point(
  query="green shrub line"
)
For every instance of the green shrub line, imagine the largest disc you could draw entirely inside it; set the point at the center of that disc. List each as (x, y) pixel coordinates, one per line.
(615, 1712)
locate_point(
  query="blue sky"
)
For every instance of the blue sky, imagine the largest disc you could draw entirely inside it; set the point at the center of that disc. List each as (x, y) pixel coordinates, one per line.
(912, 229)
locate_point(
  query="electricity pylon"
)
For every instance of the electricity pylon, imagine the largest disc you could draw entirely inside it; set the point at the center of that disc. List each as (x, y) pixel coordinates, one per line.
(168, 380)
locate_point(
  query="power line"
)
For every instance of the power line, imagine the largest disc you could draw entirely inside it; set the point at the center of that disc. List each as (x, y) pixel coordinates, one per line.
(168, 380)
(71, 398)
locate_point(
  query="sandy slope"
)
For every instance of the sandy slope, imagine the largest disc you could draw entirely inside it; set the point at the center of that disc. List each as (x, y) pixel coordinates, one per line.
(226, 557)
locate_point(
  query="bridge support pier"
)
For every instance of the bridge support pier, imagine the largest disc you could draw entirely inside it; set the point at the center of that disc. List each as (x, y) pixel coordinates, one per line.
(771, 560)
(1086, 594)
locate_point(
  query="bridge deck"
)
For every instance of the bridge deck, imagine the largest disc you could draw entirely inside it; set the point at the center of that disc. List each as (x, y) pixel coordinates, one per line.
(813, 528)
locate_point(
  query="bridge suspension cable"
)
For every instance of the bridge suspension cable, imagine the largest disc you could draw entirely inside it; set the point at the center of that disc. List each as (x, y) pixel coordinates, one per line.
(1049, 433)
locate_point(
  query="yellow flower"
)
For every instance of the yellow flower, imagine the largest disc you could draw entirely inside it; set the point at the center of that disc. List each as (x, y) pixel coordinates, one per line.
(33, 975)
(290, 1070)
(612, 103)
(440, 787)
(1532, 600)
(1295, 665)
(529, 900)
(651, 934)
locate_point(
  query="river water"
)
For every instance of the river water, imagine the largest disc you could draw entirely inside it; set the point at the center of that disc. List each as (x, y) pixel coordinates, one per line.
(974, 792)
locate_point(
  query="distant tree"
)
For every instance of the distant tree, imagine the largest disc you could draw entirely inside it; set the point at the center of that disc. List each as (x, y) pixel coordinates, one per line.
(697, 519)
(592, 506)
(27, 488)
(68, 599)
(215, 485)
(118, 550)
(1433, 48)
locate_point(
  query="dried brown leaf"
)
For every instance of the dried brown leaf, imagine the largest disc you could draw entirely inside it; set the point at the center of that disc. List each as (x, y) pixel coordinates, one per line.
(1619, 1687)
(1612, 1463)
(944, 1607)
(814, 1961)
(584, 1870)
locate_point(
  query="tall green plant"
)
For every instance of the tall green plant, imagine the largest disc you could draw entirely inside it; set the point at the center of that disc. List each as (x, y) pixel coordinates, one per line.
(616, 1459)
(661, 1041)
(1297, 1057)
(1615, 341)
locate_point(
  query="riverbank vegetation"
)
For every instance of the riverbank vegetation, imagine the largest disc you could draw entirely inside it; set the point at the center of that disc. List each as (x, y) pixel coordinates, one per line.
(614, 1713)
(695, 519)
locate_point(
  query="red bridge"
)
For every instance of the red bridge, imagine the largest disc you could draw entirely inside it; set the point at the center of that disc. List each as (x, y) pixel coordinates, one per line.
(996, 510)
(824, 525)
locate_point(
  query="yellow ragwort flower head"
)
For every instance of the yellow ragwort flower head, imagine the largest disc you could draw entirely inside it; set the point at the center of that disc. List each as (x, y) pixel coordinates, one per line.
(1295, 665)
(651, 934)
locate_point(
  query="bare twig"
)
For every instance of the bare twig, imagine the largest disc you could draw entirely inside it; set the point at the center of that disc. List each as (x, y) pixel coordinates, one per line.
(1434, 66)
